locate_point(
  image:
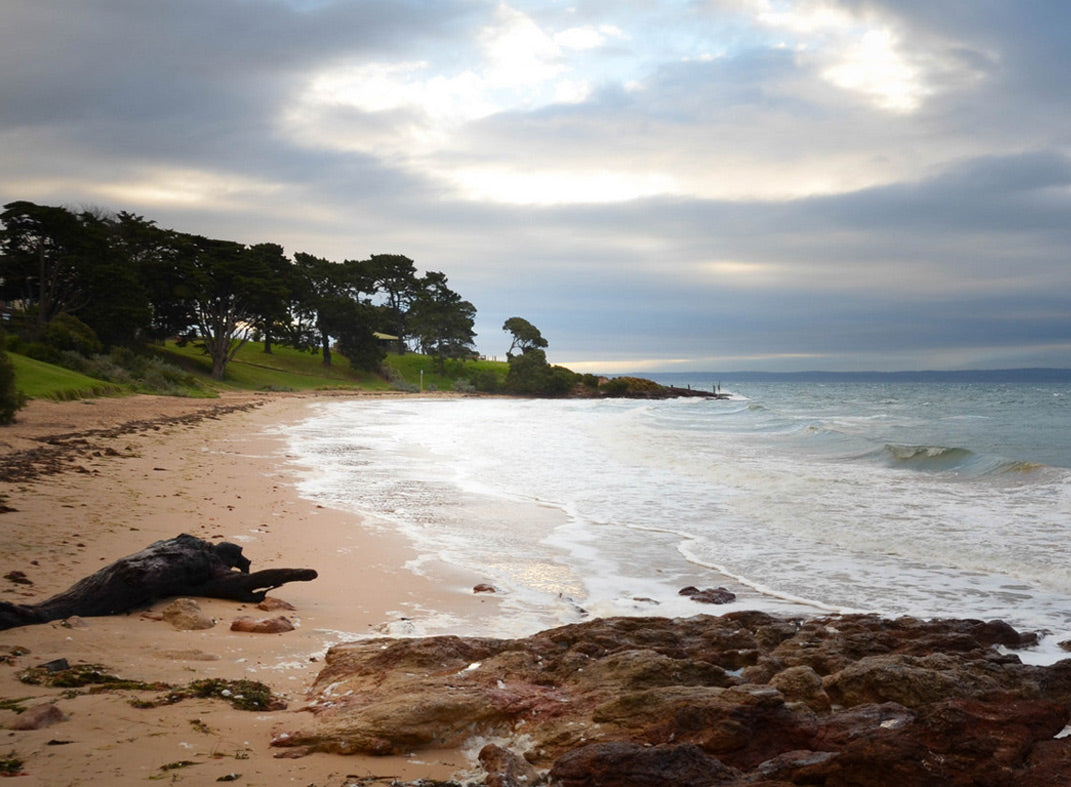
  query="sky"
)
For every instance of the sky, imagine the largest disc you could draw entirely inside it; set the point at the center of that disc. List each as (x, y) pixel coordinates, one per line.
(657, 185)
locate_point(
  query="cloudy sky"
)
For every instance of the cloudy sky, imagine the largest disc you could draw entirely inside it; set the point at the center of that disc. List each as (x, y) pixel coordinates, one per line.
(655, 184)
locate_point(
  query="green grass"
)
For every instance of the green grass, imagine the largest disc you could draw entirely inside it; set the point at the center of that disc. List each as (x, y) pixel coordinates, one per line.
(40, 380)
(284, 369)
(408, 367)
(252, 369)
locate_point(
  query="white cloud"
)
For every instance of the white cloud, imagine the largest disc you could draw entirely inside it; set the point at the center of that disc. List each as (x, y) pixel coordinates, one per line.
(174, 187)
(875, 68)
(862, 54)
(553, 187)
(518, 52)
(587, 37)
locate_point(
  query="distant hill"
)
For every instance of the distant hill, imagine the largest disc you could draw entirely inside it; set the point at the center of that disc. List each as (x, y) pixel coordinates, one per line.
(1034, 375)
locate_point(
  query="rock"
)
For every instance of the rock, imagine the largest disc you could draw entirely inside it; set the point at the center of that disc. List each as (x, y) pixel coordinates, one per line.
(277, 625)
(863, 721)
(802, 684)
(272, 604)
(1049, 763)
(955, 742)
(185, 614)
(784, 765)
(623, 764)
(914, 681)
(717, 595)
(741, 698)
(75, 622)
(506, 769)
(484, 588)
(38, 717)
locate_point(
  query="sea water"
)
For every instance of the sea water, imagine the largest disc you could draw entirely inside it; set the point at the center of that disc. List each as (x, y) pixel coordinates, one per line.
(924, 499)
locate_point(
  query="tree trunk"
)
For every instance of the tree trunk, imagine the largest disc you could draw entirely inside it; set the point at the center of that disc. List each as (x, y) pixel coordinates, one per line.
(325, 344)
(181, 566)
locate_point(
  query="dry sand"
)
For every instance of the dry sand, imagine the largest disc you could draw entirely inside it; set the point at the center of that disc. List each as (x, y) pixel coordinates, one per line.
(145, 470)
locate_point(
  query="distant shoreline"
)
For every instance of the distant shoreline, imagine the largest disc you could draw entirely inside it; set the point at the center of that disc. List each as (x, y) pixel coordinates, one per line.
(1029, 375)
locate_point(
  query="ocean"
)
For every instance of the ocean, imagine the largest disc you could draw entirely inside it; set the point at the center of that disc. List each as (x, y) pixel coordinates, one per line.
(931, 499)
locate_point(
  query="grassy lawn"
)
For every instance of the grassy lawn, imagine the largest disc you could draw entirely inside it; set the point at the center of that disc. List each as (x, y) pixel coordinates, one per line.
(284, 369)
(40, 380)
(409, 366)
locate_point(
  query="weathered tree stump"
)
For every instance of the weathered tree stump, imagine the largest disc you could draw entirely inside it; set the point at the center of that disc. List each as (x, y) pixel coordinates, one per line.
(180, 566)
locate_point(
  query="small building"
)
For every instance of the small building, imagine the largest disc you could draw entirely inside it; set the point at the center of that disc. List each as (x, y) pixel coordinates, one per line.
(390, 344)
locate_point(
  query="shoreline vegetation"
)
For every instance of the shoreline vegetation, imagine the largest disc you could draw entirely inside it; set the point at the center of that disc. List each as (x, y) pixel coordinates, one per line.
(183, 370)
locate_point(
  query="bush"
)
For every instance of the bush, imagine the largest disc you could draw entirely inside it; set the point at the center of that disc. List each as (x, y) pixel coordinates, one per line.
(529, 373)
(486, 381)
(122, 366)
(637, 387)
(67, 332)
(11, 399)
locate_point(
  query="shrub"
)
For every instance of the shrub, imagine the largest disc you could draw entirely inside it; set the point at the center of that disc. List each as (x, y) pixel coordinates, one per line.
(486, 381)
(67, 332)
(11, 399)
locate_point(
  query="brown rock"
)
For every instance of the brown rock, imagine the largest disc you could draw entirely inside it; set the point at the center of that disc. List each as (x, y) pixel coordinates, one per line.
(955, 743)
(484, 588)
(272, 604)
(277, 625)
(1049, 763)
(919, 680)
(185, 615)
(742, 698)
(624, 764)
(717, 595)
(38, 717)
(506, 769)
(863, 721)
(802, 684)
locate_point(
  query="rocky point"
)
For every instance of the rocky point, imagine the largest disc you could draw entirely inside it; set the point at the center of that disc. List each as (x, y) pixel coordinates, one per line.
(744, 698)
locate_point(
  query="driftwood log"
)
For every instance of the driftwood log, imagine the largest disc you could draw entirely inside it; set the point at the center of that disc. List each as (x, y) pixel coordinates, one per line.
(180, 566)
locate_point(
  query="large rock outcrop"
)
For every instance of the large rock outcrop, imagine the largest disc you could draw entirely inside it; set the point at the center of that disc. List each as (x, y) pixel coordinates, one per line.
(744, 698)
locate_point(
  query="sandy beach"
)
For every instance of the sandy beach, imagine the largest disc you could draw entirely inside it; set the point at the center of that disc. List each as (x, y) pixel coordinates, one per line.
(88, 482)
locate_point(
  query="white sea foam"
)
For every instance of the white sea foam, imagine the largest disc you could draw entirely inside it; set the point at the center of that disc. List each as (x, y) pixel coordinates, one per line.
(581, 508)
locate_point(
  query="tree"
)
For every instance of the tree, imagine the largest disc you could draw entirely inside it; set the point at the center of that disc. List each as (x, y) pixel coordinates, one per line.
(526, 337)
(357, 340)
(441, 321)
(43, 250)
(227, 281)
(322, 298)
(395, 278)
(155, 256)
(269, 301)
(56, 262)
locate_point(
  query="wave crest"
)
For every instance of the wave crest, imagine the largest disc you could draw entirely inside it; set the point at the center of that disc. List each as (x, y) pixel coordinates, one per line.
(927, 457)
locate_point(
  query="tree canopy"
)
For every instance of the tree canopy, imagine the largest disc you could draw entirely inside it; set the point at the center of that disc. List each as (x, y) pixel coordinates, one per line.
(121, 280)
(526, 336)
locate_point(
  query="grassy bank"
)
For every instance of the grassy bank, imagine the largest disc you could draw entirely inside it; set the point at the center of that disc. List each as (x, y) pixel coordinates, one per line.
(283, 369)
(40, 380)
